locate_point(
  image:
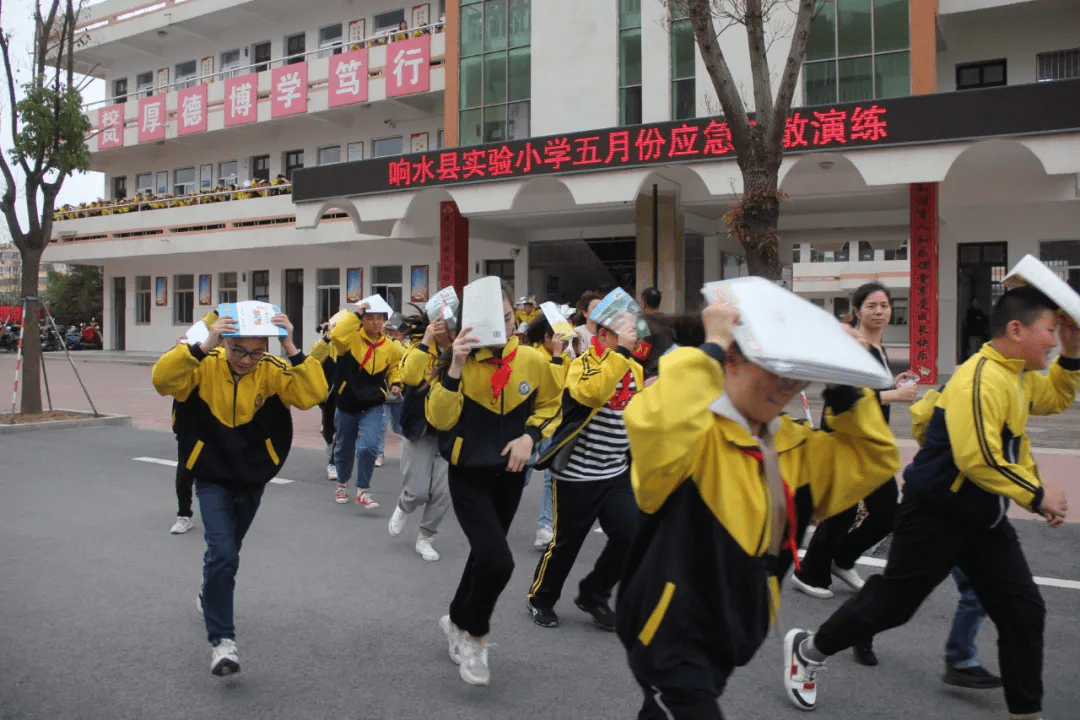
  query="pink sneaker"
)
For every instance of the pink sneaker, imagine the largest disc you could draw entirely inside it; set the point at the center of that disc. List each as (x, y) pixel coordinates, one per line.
(364, 498)
(341, 495)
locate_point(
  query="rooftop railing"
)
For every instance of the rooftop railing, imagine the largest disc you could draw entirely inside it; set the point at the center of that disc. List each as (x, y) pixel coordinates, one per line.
(160, 202)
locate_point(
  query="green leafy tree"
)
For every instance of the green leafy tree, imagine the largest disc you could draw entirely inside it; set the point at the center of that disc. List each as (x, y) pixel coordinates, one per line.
(48, 144)
(75, 296)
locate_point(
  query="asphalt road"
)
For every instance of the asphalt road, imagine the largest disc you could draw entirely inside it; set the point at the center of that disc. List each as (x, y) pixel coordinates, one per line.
(336, 619)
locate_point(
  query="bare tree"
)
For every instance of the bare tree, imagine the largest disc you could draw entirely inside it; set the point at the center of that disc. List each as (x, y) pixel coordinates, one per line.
(48, 135)
(759, 145)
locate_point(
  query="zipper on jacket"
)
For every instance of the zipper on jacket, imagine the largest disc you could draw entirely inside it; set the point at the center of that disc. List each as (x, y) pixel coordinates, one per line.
(1001, 514)
(235, 388)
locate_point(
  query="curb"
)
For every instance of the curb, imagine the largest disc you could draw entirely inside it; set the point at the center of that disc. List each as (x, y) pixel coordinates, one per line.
(104, 420)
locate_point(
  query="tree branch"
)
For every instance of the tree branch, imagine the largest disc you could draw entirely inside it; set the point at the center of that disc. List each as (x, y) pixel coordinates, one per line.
(759, 65)
(786, 90)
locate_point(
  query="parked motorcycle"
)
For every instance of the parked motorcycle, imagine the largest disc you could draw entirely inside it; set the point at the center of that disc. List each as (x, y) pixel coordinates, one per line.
(9, 337)
(49, 341)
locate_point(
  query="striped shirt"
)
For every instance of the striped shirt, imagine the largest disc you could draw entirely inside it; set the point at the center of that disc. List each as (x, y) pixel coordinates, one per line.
(601, 450)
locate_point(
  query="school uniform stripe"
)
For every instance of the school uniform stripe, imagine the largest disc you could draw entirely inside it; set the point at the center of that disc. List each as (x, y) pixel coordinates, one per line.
(980, 432)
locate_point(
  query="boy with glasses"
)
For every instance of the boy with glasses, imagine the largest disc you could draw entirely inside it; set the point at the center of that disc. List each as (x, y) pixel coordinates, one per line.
(235, 433)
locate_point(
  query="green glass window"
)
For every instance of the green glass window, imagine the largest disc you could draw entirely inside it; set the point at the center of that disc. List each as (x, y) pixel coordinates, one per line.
(495, 78)
(520, 24)
(892, 75)
(856, 78)
(494, 71)
(630, 105)
(472, 30)
(854, 27)
(682, 49)
(629, 13)
(470, 131)
(822, 41)
(891, 28)
(630, 56)
(519, 64)
(495, 123)
(820, 81)
(472, 92)
(629, 62)
(494, 25)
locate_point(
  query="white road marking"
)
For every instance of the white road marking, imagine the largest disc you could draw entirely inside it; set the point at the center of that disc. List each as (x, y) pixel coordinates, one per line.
(172, 463)
(1047, 581)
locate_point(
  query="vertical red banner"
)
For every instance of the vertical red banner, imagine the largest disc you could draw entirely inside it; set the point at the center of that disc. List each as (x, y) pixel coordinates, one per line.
(923, 256)
(453, 247)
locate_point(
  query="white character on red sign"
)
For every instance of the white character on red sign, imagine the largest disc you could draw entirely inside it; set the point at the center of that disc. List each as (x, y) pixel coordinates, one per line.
(110, 119)
(400, 62)
(348, 82)
(240, 99)
(288, 88)
(193, 111)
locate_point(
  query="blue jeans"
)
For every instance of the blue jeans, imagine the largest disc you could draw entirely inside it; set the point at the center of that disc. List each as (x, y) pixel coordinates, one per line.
(357, 439)
(546, 517)
(226, 515)
(960, 650)
(393, 421)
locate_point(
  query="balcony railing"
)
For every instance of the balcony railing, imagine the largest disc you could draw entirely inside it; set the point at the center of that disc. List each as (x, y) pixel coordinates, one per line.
(151, 201)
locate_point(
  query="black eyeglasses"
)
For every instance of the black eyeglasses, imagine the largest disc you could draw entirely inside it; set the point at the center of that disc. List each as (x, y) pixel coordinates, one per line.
(242, 354)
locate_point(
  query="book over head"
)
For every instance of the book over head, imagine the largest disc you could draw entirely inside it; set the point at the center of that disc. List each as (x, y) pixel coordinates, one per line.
(252, 318)
(443, 305)
(617, 309)
(376, 304)
(793, 338)
(557, 320)
(482, 311)
(1031, 271)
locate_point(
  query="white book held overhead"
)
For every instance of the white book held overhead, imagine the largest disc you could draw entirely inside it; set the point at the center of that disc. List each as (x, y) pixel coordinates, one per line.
(195, 334)
(252, 318)
(794, 338)
(482, 310)
(376, 304)
(558, 322)
(443, 305)
(1031, 271)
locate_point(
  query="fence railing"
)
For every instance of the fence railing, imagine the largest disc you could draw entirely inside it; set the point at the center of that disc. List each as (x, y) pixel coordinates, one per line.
(161, 202)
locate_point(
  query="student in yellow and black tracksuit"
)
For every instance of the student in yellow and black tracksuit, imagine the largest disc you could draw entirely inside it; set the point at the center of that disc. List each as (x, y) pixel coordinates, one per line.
(589, 456)
(235, 434)
(368, 369)
(718, 471)
(423, 470)
(975, 458)
(328, 408)
(490, 406)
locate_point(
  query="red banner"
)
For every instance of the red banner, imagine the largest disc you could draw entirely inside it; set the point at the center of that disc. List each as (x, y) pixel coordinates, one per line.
(191, 110)
(288, 90)
(348, 78)
(408, 66)
(453, 247)
(923, 254)
(111, 127)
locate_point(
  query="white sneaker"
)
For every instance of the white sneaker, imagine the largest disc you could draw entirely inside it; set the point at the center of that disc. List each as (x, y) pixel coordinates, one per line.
(812, 590)
(799, 672)
(454, 636)
(331, 472)
(182, 525)
(848, 577)
(397, 521)
(423, 546)
(543, 537)
(379, 461)
(364, 498)
(341, 495)
(223, 659)
(474, 662)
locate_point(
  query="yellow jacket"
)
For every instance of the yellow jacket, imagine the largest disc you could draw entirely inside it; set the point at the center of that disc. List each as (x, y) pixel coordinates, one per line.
(362, 377)
(473, 426)
(975, 450)
(236, 432)
(559, 366)
(418, 361)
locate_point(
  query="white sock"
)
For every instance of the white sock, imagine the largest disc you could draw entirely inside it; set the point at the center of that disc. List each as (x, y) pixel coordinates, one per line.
(809, 650)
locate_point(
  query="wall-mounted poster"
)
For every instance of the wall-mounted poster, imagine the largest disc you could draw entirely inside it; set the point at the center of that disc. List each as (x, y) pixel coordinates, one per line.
(419, 283)
(418, 142)
(206, 177)
(421, 15)
(206, 69)
(163, 80)
(205, 290)
(357, 30)
(354, 285)
(161, 291)
(162, 184)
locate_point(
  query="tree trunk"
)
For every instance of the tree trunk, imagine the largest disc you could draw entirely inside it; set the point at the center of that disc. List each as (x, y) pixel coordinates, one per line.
(31, 371)
(753, 221)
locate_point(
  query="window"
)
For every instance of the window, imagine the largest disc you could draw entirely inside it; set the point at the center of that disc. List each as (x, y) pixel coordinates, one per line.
(294, 48)
(119, 187)
(866, 251)
(183, 299)
(260, 53)
(899, 311)
(840, 307)
(329, 155)
(495, 71)
(1057, 65)
(858, 50)
(162, 185)
(629, 62)
(683, 85)
(355, 151)
(144, 182)
(227, 173)
(184, 181)
(898, 254)
(230, 61)
(386, 281)
(330, 40)
(387, 146)
(227, 287)
(293, 159)
(502, 269)
(989, 73)
(144, 84)
(260, 168)
(440, 140)
(185, 75)
(843, 254)
(120, 90)
(327, 293)
(260, 285)
(796, 255)
(142, 299)
(389, 20)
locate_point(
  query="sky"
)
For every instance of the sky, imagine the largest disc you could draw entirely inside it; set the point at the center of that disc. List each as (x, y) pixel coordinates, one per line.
(16, 19)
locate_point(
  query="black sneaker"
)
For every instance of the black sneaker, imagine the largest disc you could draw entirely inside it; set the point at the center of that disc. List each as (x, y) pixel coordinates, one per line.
(975, 678)
(864, 653)
(602, 615)
(544, 617)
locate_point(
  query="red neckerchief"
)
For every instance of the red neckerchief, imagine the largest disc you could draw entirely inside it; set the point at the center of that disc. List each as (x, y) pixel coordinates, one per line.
(502, 374)
(644, 350)
(371, 349)
(620, 399)
(793, 521)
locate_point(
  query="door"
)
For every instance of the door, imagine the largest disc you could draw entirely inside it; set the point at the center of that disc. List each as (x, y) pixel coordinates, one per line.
(262, 56)
(980, 268)
(260, 168)
(119, 304)
(294, 303)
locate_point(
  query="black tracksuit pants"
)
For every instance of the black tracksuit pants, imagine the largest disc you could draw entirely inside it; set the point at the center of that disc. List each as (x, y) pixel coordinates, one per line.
(679, 704)
(485, 501)
(185, 483)
(576, 506)
(927, 543)
(835, 541)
